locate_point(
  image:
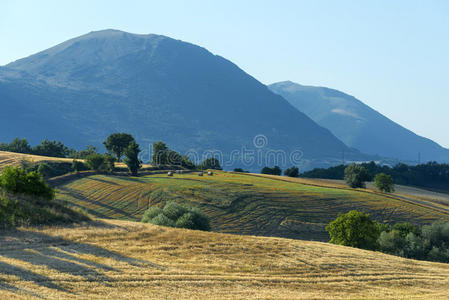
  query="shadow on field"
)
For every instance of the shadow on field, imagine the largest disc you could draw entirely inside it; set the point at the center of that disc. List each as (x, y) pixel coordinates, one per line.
(34, 251)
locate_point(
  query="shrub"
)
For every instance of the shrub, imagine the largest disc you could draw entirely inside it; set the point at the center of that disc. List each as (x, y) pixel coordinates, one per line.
(95, 161)
(16, 180)
(174, 210)
(162, 220)
(8, 211)
(405, 228)
(194, 219)
(151, 213)
(78, 166)
(391, 242)
(176, 215)
(45, 170)
(384, 183)
(354, 229)
(356, 175)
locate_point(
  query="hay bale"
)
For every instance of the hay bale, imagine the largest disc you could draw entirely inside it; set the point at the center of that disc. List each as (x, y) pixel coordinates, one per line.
(210, 173)
(200, 174)
(170, 173)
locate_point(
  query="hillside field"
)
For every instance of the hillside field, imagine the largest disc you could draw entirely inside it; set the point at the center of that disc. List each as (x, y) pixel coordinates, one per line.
(129, 260)
(243, 204)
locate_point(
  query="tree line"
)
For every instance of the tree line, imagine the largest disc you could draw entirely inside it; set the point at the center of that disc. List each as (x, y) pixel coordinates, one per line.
(121, 147)
(431, 174)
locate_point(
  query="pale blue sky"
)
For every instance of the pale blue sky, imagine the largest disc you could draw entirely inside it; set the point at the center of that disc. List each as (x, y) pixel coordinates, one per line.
(392, 55)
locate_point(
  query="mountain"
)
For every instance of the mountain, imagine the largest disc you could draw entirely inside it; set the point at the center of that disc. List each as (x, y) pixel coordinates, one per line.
(358, 125)
(157, 88)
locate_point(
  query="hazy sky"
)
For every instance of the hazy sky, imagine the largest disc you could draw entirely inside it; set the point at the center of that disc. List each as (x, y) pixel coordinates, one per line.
(392, 55)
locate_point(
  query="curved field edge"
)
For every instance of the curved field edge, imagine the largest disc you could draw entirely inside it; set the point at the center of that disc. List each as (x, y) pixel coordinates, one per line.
(132, 260)
(242, 204)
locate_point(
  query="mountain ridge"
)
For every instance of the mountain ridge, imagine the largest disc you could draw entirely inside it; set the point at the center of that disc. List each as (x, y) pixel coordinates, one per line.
(156, 88)
(359, 125)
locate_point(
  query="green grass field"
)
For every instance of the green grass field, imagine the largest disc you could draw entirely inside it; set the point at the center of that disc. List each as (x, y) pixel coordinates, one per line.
(239, 203)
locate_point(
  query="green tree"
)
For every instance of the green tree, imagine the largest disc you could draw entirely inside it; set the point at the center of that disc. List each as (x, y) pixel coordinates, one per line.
(384, 183)
(18, 146)
(210, 163)
(51, 148)
(356, 175)
(95, 161)
(117, 143)
(267, 170)
(82, 154)
(272, 171)
(292, 172)
(160, 153)
(132, 158)
(354, 229)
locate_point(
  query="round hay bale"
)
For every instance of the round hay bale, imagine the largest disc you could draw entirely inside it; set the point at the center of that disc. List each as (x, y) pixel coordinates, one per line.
(170, 173)
(200, 174)
(210, 173)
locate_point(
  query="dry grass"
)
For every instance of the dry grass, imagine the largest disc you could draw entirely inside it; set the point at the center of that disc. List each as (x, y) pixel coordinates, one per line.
(15, 159)
(126, 260)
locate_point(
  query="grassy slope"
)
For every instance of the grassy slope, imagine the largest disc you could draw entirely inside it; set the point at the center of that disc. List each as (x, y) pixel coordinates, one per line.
(243, 204)
(127, 260)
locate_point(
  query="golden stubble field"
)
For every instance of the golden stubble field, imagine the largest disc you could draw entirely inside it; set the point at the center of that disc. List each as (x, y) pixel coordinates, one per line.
(112, 259)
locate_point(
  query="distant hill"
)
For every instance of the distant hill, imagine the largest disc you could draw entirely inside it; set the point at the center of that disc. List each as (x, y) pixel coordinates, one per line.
(155, 88)
(358, 125)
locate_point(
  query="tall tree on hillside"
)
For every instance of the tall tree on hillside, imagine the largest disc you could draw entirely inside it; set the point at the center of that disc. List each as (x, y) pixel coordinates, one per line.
(384, 183)
(116, 143)
(160, 153)
(132, 158)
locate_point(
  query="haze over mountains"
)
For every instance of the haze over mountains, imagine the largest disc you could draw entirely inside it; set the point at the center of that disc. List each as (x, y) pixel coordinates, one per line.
(358, 125)
(155, 88)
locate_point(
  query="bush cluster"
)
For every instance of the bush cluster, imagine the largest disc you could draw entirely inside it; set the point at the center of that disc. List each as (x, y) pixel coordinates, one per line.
(356, 229)
(177, 215)
(272, 171)
(18, 181)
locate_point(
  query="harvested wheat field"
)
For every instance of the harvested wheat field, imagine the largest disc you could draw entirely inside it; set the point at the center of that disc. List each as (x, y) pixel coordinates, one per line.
(243, 204)
(15, 159)
(128, 260)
